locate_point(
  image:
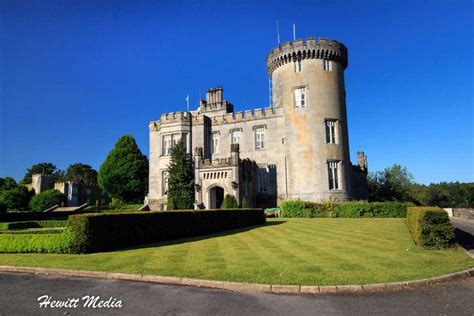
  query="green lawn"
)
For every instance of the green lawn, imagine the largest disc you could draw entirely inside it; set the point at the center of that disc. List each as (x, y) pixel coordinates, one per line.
(285, 251)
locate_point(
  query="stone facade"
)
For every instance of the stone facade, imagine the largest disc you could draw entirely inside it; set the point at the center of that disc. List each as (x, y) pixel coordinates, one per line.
(71, 190)
(299, 146)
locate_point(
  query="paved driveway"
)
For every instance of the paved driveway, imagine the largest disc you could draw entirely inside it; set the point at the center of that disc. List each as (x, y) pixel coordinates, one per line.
(19, 293)
(465, 233)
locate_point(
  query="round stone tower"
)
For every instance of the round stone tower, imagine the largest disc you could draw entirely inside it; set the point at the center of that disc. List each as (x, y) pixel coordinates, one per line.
(308, 89)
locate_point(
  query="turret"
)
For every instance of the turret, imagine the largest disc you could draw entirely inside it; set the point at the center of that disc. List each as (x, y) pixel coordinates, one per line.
(308, 87)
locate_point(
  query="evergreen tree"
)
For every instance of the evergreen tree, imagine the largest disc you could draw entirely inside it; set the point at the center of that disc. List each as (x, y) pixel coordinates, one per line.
(124, 173)
(229, 202)
(245, 204)
(180, 179)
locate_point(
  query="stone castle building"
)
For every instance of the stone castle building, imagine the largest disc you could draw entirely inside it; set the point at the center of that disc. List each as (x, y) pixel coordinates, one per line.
(298, 148)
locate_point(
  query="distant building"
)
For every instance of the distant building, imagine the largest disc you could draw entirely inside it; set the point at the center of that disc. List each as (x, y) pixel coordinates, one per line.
(71, 190)
(298, 148)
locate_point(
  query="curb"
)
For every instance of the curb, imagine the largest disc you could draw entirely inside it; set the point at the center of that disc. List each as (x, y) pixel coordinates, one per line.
(249, 287)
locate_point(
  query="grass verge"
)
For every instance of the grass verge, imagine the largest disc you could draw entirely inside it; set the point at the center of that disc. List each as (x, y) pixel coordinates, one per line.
(285, 251)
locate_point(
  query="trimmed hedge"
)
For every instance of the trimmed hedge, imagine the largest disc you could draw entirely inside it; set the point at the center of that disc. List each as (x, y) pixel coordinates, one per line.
(100, 232)
(46, 243)
(38, 216)
(57, 230)
(298, 208)
(33, 224)
(430, 227)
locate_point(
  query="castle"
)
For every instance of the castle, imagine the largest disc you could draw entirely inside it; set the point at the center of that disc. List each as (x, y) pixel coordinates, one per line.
(298, 148)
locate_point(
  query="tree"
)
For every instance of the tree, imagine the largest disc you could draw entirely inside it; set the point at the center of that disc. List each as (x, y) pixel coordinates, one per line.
(392, 184)
(86, 177)
(7, 184)
(44, 168)
(124, 173)
(15, 199)
(46, 199)
(180, 179)
(82, 174)
(229, 202)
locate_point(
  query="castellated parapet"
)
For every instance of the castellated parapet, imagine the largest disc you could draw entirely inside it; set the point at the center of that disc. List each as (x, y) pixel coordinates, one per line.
(311, 49)
(298, 148)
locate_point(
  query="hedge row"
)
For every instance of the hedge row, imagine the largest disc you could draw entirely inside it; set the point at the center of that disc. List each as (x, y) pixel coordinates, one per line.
(99, 232)
(430, 227)
(34, 231)
(298, 208)
(37, 216)
(32, 224)
(46, 243)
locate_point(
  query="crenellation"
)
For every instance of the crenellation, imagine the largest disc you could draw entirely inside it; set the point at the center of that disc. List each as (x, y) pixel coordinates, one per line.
(296, 149)
(310, 49)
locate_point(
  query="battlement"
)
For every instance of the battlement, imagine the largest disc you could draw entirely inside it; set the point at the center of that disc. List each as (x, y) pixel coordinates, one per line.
(241, 116)
(323, 48)
(167, 118)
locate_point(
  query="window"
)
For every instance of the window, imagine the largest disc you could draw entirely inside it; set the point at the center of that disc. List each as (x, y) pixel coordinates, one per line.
(236, 137)
(298, 65)
(331, 131)
(300, 97)
(169, 141)
(333, 175)
(260, 138)
(327, 65)
(215, 143)
(164, 182)
(167, 145)
(262, 179)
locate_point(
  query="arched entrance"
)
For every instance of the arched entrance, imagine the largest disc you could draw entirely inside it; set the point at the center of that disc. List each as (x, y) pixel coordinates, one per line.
(216, 197)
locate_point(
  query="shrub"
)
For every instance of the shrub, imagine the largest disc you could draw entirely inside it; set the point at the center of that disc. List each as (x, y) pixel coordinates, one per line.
(116, 204)
(46, 199)
(99, 232)
(47, 243)
(37, 216)
(298, 208)
(33, 224)
(229, 202)
(430, 227)
(33, 231)
(15, 199)
(245, 204)
(375, 209)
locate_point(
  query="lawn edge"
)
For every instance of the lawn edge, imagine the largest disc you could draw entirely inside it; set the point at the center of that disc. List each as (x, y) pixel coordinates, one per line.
(248, 287)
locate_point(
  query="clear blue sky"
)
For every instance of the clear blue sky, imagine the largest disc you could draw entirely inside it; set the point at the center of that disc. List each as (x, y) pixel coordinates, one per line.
(77, 75)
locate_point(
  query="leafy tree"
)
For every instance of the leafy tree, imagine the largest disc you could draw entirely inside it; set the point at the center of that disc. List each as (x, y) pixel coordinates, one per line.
(7, 184)
(86, 177)
(124, 173)
(181, 179)
(229, 202)
(44, 168)
(15, 199)
(82, 174)
(391, 184)
(46, 199)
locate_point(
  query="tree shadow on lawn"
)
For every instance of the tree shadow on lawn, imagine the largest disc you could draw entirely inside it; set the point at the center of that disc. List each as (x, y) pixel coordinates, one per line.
(198, 238)
(464, 239)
